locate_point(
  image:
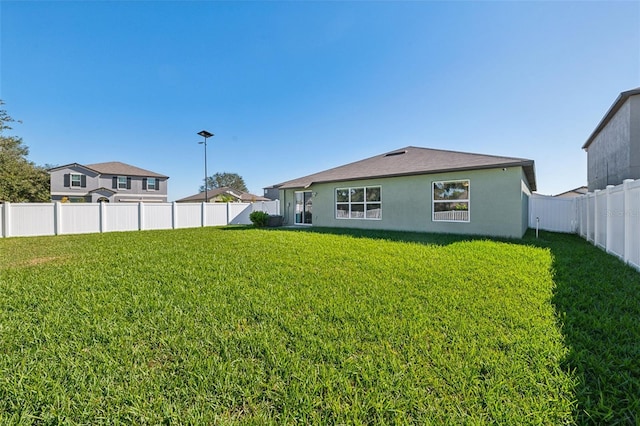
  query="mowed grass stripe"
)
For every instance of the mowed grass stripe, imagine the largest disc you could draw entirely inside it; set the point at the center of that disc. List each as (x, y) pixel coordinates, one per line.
(246, 326)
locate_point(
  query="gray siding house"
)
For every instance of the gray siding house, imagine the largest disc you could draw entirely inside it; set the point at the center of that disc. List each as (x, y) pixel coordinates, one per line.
(613, 149)
(416, 189)
(113, 182)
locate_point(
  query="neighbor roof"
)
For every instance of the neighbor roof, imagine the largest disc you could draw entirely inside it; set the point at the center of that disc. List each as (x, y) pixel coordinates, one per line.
(113, 168)
(617, 104)
(413, 161)
(122, 169)
(213, 193)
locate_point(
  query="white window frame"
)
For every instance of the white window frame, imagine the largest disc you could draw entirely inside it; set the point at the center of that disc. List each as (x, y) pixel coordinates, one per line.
(151, 187)
(363, 202)
(120, 182)
(75, 184)
(454, 216)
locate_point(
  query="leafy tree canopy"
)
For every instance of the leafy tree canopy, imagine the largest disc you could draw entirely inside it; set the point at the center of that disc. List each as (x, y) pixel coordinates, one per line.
(20, 179)
(220, 180)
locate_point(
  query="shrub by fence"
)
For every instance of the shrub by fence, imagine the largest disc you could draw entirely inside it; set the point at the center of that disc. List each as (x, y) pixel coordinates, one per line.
(31, 219)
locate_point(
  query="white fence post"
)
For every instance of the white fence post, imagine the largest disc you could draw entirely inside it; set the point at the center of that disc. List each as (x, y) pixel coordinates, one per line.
(595, 217)
(140, 216)
(103, 217)
(174, 215)
(203, 215)
(7, 219)
(627, 220)
(6, 222)
(609, 223)
(57, 218)
(228, 213)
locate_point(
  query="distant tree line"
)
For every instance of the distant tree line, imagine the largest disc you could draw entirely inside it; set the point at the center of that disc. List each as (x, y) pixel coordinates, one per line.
(225, 179)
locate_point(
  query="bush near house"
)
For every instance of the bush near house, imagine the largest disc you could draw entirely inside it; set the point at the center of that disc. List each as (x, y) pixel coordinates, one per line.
(250, 326)
(259, 218)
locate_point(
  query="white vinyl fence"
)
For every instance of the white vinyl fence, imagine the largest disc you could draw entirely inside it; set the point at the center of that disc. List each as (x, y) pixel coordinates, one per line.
(609, 218)
(31, 219)
(553, 213)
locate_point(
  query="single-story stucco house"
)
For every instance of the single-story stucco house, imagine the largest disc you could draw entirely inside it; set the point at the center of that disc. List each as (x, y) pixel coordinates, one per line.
(416, 189)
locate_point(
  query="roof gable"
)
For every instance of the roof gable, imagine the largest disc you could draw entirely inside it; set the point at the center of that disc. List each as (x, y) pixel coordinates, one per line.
(613, 109)
(413, 161)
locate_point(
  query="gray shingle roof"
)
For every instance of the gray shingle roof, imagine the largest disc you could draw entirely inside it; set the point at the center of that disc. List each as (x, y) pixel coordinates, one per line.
(121, 169)
(413, 161)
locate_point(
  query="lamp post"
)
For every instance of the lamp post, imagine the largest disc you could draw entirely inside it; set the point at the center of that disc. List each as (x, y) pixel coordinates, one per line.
(205, 135)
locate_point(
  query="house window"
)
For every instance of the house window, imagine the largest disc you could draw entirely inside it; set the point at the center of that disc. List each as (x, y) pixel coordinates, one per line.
(122, 182)
(359, 203)
(451, 201)
(152, 184)
(76, 180)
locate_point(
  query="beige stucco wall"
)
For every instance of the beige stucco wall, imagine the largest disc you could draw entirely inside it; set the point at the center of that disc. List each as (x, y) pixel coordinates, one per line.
(498, 203)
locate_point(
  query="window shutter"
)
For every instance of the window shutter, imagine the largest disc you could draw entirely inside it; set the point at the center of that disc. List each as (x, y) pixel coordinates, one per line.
(115, 182)
(144, 183)
(128, 183)
(67, 180)
(157, 184)
(83, 181)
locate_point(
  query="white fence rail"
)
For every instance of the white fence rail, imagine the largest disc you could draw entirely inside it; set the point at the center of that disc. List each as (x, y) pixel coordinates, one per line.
(609, 218)
(31, 219)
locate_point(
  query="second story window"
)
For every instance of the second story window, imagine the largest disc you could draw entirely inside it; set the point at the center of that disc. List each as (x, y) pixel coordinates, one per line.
(76, 180)
(122, 182)
(152, 183)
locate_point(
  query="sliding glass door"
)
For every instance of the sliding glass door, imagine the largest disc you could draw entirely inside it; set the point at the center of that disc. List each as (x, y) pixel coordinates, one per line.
(304, 204)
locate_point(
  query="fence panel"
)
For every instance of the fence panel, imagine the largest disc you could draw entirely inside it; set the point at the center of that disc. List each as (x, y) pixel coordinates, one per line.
(239, 213)
(591, 218)
(31, 219)
(79, 218)
(553, 213)
(271, 207)
(601, 219)
(157, 216)
(632, 219)
(189, 215)
(215, 214)
(121, 217)
(615, 221)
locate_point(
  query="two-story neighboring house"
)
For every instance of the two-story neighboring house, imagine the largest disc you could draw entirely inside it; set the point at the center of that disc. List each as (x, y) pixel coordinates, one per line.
(113, 182)
(613, 149)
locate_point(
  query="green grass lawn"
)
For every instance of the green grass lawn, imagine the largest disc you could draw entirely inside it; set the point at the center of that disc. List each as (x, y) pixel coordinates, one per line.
(247, 326)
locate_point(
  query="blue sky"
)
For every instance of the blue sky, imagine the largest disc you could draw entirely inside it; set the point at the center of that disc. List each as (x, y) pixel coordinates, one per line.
(293, 88)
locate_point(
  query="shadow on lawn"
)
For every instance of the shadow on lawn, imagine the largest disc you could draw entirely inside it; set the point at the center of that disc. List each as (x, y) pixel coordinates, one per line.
(597, 300)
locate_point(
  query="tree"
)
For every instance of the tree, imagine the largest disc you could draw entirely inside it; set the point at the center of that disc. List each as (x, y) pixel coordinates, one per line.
(225, 179)
(20, 179)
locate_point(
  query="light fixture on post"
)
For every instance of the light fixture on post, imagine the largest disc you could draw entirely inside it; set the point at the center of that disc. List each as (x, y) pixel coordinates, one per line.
(205, 135)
